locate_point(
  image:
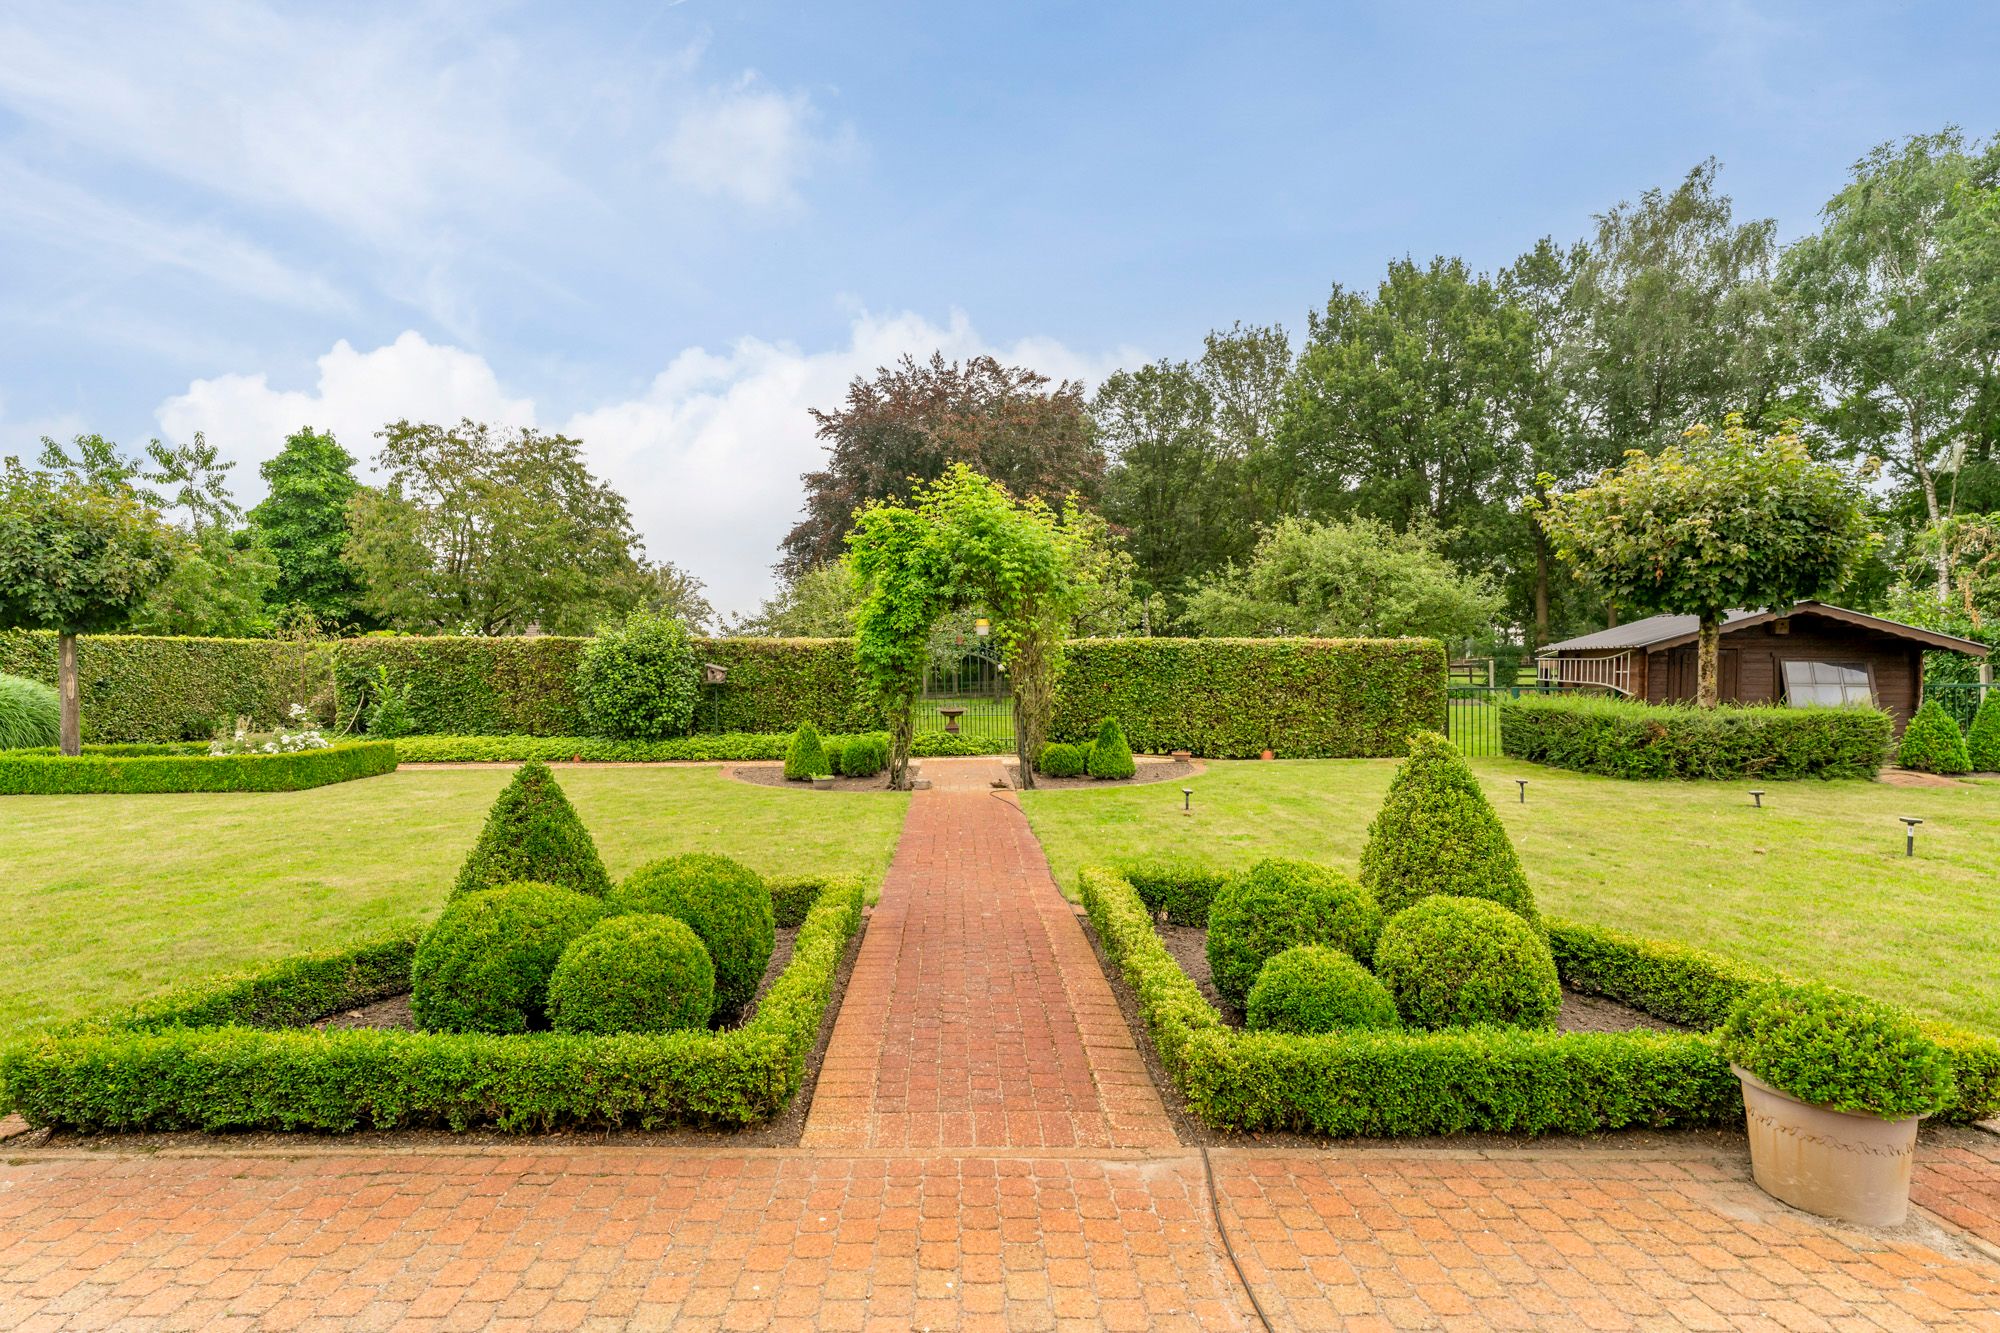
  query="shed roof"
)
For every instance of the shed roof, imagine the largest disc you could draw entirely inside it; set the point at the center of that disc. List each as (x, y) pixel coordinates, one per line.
(1658, 632)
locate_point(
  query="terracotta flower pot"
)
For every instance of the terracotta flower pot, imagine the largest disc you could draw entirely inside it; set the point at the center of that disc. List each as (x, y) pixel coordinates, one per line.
(1834, 1163)
(1267, 755)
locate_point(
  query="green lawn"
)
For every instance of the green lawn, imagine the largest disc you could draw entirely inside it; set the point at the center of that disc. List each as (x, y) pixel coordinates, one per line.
(110, 897)
(1816, 883)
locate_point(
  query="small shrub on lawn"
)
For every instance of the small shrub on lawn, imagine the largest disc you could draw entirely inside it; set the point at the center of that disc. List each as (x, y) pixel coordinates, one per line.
(30, 714)
(1110, 758)
(863, 756)
(1180, 886)
(389, 714)
(1932, 743)
(1463, 962)
(634, 973)
(1279, 904)
(485, 965)
(724, 903)
(1436, 834)
(1982, 743)
(1316, 989)
(1838, 1050)
(637, 680)
(806, 758)
(533, 833)
(1061, 760)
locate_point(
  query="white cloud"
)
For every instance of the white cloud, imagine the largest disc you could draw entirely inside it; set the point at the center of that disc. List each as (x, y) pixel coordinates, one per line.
(748, 144)
(709, 455)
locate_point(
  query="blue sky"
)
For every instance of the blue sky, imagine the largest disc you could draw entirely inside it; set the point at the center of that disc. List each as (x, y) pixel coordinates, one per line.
(669, 229)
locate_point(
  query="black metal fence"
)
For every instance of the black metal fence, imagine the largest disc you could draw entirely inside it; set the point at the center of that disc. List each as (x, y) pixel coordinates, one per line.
(967, 715)
(1472, 719)
(1959, 700)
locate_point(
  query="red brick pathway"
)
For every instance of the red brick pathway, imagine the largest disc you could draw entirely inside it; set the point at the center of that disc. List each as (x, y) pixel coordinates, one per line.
(1958, 1178)
(977, 1015)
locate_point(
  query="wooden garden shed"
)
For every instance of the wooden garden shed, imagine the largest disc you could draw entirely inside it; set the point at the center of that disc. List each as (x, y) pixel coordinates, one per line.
(1815, 653)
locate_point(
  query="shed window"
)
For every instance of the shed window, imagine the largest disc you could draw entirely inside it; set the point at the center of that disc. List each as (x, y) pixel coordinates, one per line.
(1833, 683)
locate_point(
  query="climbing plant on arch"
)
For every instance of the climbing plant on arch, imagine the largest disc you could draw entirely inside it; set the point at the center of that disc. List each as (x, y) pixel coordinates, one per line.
(963, 541)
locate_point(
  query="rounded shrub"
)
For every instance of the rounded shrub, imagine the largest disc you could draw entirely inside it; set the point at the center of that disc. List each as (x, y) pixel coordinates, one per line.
(484, 966)
(1060, 760)
(1982, 742)
(1932, 743)
(532, 834)
(638, 680)
(1460, 962)
(864, 756)
(805, 757)
(723, 903)
(1279, 904)
(637, 973)
(1838, 1050)
(1436, 834)
(1316, 989)
(30, 714)
(1110, 757)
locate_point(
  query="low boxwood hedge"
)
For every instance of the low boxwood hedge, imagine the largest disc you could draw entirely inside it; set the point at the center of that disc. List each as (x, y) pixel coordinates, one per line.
(1487, 1080)
(207, 1059)
(134, 769)
(1623, 739)
(743, 746)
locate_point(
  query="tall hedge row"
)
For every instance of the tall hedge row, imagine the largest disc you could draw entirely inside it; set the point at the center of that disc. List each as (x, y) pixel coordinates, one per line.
(1221, 698)
(1626, 739)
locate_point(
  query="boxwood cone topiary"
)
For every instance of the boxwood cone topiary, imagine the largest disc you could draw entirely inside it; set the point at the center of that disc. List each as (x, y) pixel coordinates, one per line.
(1932, 743)
(30, 714)
(1110, 758)
(724, 903)
(1838, 1050)
(1279, 904)
(485, 965)
(1982, 743)
(533, 833)
(1435, 833)
(806, 759)
(1461, 962)
(636, 973)
(1060, 760)
(1313, 989)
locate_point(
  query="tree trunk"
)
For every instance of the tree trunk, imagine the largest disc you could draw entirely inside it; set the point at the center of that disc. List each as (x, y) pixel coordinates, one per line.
(902, 723)
(71, 734)
(1707, 692)
(1541, 587)
(1021, 743)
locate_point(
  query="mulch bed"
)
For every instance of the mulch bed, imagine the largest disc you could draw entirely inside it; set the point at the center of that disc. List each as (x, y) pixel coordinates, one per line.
(1166, 770)
(769, 774)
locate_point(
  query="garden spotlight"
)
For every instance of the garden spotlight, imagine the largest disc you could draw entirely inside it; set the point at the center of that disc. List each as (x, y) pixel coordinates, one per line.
(1910, 823)
(1522, 783)
(1187, 800)
(1757, 796)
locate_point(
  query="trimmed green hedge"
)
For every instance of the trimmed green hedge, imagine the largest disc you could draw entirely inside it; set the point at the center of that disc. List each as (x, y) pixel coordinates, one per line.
(1490, 1080)
(1626, 739)
(1232, 698)
(130, 769)
(197, 1060)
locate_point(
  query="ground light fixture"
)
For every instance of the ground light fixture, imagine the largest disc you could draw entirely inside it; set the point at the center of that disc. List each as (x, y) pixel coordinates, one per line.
(1910, 823)
(1522, 783)
(1757, 797)
(1187, 800)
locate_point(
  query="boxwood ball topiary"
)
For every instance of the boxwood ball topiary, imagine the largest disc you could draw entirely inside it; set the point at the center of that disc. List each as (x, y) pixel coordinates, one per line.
(724, 903)
(1436, 834)
(638, 680)
(1110, 757)
(1313, 989)
(1460, 962)
(806, 757)
(1982, 742)
(1060, 760)
(1932, 742)
(532, 834)
(30, 714)
(1838, 1050)
(865, 755)
(1277, 905)
(637, 973)
(485, 965)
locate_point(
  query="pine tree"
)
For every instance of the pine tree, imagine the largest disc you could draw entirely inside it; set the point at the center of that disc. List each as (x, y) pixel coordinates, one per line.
(1436, 834)
(533, 834)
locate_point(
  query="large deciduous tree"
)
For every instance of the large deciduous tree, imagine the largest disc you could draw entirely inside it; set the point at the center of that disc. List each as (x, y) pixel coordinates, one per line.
(491, 531)
(916, 419)
(76, 556)
(1716, 522)
(303, 522)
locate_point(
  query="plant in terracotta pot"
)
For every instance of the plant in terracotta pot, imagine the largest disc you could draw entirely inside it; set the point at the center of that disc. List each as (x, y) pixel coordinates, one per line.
(1833, 1088)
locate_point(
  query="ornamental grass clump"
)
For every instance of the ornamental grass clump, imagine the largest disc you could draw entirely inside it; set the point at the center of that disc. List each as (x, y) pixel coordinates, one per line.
(533, 833)
(637, 973)
(1467, 962)
(30, 714)
(1277, 905)
(1436, 834)
(805, 758)
(1932, 743)
(1837, 1050)
(725, 904)
(1313, 989)
(1110, 758)
(1982, 743)
(485, 965)
(1059, 759)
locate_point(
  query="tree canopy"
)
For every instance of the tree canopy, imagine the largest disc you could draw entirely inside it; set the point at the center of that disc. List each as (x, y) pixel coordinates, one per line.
(303, 522)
